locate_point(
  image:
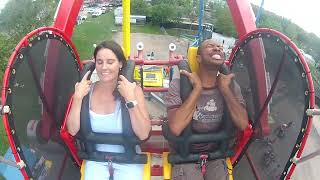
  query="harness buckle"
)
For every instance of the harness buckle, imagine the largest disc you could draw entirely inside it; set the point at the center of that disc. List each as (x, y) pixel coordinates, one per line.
(203, 163)
(110, 168)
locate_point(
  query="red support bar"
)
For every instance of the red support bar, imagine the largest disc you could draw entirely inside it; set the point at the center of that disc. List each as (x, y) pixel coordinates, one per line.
(67, 15)
(243, 139)
(155, 89)
(242, 15)
(156, 170)
(158, 62)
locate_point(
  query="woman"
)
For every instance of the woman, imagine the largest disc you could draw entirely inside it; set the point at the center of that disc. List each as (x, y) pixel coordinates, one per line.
(105, 110)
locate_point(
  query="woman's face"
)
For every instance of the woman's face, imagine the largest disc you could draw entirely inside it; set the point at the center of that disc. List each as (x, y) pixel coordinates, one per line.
(107, 65)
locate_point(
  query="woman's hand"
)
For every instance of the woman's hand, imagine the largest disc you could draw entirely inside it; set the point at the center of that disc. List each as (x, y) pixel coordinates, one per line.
(126, 89)
(82, 88)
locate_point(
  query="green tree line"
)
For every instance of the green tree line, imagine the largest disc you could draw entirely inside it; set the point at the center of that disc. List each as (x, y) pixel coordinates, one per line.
(18, 18)
(218, 13)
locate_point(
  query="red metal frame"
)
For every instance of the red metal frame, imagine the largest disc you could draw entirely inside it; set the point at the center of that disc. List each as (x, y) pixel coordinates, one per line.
(67, 16)
(243, 18)
(309, 78)
(68, 139)
(242, 15)
(24, 43)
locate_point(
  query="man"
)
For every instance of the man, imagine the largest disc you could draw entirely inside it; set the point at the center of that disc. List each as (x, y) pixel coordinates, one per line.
(211, 91)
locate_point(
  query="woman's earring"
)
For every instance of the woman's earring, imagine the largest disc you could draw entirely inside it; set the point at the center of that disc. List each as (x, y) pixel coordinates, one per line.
(120, 68)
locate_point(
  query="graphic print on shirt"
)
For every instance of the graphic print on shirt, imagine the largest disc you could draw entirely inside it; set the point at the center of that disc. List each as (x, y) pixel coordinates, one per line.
(208, 110)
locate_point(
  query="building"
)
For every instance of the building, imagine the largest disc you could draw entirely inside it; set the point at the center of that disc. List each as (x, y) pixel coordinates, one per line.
(134, 19)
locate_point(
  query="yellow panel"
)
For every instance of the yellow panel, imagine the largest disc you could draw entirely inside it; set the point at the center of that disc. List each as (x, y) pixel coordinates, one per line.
(82, 170)
(230, 168)
(147, 168)
(153, 77)
(166, 166)
(136, 74)
(192, 59)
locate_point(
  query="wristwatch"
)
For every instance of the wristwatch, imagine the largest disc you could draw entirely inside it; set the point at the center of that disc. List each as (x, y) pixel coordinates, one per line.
(131, 104)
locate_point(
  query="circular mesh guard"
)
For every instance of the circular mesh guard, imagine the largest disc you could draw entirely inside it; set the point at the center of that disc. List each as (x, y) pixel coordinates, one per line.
(41, 83)
(279, 134)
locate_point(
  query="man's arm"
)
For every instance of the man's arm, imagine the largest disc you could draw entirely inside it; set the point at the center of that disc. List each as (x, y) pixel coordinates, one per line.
(179, 118)
(237, 111)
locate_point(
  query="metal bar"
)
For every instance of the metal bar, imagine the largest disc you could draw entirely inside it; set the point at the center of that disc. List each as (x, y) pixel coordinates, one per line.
(8, 162)
(157, 62)
(156, 97)
(126, 27)
(155, 89)
(253, 167)
(309, 156)
(66, 16)
(313, 112)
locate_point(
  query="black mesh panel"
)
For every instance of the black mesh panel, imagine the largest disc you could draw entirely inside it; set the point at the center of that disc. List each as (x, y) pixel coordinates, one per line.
(270, 153)
(41, 82)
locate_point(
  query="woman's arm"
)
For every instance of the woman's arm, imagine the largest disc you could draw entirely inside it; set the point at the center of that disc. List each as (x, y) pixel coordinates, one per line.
(139, 115)
(82, 88)
(73, 120)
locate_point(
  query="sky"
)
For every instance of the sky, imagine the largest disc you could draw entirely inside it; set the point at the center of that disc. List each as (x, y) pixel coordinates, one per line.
(305, 13)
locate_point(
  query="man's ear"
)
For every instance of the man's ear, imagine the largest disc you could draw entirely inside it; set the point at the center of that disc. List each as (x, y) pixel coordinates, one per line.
(198, 57)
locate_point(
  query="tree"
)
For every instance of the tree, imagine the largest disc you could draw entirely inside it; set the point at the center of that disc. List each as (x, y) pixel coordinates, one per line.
(140, 7)
(6, 47)
(19, 17)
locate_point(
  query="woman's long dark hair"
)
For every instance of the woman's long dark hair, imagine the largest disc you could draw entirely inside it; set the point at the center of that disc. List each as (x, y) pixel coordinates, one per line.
(117, 50)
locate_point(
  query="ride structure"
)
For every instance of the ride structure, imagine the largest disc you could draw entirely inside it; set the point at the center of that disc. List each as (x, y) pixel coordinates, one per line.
(41, 73)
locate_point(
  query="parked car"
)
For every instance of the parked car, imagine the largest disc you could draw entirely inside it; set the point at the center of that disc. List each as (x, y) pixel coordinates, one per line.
(97, 13)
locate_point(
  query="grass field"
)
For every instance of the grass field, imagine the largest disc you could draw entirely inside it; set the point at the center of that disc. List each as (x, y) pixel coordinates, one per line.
(92, 31)
(3, 140)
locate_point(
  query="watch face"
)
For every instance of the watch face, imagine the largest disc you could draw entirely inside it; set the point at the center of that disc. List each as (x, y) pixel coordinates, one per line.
(129, 105)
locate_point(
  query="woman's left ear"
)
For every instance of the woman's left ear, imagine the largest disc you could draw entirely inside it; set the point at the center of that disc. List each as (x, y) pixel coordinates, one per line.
(120, 66)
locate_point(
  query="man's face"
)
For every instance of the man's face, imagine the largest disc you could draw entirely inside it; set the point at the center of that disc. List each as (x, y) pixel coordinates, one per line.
(212, 54)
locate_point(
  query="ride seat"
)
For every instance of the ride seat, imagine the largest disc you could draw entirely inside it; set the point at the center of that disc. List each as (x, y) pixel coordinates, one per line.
(188, 137)
(82, 145)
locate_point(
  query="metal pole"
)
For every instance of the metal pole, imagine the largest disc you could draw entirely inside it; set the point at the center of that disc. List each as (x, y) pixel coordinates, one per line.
(308, 157)
(200, 21)
(126, 27)
(8, 162)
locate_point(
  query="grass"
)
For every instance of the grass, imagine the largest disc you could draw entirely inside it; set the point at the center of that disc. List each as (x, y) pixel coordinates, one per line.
(148, 29)
(96, 30)
(3, 140)
(92, 31)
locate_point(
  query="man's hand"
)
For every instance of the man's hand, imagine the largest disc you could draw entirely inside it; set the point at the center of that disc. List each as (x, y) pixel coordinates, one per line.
(82, 88)
(193, 78)
(224, 81)
(127, 89)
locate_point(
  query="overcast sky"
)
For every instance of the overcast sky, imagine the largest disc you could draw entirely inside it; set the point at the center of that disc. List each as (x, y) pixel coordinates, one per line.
(305, 13)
